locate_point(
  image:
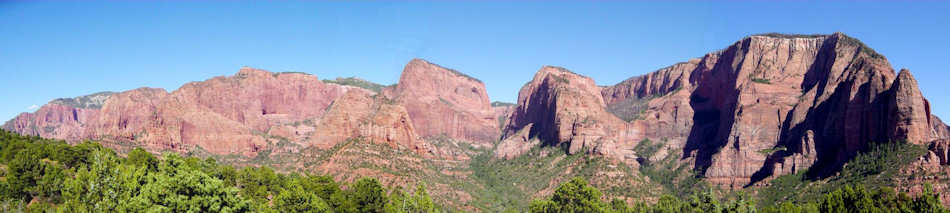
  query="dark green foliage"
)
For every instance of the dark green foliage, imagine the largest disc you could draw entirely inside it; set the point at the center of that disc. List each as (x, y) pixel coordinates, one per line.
(675, 178)
(577, 196)
(419, 201)
(38, 175)
(456, 72)
(880, 160)
(296, 199)
(862, 48)
(859, 199)
(323, 186)
(761, 81)
(257, 183)
(368, 195)
(875, 167)
(139, 157)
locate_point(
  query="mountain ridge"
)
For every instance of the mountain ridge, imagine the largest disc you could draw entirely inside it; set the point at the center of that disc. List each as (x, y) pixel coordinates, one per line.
(766, 106)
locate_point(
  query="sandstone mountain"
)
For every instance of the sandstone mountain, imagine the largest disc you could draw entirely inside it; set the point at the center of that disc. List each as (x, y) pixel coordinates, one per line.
(443, 101)
(255, 109)
(767, 105)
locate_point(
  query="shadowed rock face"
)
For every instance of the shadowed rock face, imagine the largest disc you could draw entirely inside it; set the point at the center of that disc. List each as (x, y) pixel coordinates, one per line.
(560, 107)
(765, 106)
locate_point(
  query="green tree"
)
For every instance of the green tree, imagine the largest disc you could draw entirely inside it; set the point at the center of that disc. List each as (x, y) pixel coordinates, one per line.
(574, 196)
(101, 186)
(421, 200)
(139, 157)
(296, 199)
(180, 188)
(258, 183)
(368, 195)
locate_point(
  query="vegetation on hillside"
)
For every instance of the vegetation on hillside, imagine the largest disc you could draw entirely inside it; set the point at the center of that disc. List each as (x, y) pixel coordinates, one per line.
(875, 168)
(356, 82)
(40, 175)
(577, 195)
(501, 104)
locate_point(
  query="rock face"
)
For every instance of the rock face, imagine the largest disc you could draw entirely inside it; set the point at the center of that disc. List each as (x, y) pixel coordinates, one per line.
(767, 105)
(255, 110)
(53, 121)
(442, 101)
(561, 107)
(357, 114)
(241, 114)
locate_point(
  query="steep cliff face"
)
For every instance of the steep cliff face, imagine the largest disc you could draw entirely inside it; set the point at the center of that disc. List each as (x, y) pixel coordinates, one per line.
(53, 121)
(129, 116)
(561, 107)
(259, 99)
(240, 114)
(766, 105)
(442, 101)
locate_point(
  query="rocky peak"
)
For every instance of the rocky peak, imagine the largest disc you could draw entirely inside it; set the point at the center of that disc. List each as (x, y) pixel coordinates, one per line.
(443, 101)
(911, 119)
(562, 107)
(817, 98)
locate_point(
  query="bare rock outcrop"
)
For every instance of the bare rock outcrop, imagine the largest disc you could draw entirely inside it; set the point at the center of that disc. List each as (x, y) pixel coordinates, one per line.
(236, 114)
(767, 105)
(443, 101)
(357, 114)
(53, 120)
(561, 107)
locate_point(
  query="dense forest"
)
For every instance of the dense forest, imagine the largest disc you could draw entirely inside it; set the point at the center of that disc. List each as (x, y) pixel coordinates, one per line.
(41, 175)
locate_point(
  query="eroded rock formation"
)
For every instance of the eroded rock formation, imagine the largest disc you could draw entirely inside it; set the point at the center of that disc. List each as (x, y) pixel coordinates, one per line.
(766, 105)
(443, 101)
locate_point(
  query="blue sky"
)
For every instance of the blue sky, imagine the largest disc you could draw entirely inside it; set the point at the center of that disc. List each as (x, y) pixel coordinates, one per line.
(51, 49)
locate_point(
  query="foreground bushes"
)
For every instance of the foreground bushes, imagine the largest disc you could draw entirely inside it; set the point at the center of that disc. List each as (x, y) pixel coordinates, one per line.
(578, 196)
(40, 175)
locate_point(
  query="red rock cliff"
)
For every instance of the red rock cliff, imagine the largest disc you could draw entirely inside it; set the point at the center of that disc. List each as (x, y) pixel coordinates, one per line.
(442, 101)
(766, 105)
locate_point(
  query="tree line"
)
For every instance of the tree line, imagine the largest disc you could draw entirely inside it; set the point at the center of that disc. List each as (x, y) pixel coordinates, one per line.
(577, 195)
(40, 175)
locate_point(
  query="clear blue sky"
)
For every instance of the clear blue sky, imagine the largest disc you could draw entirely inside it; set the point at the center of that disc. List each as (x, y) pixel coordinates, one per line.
(51, 49)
